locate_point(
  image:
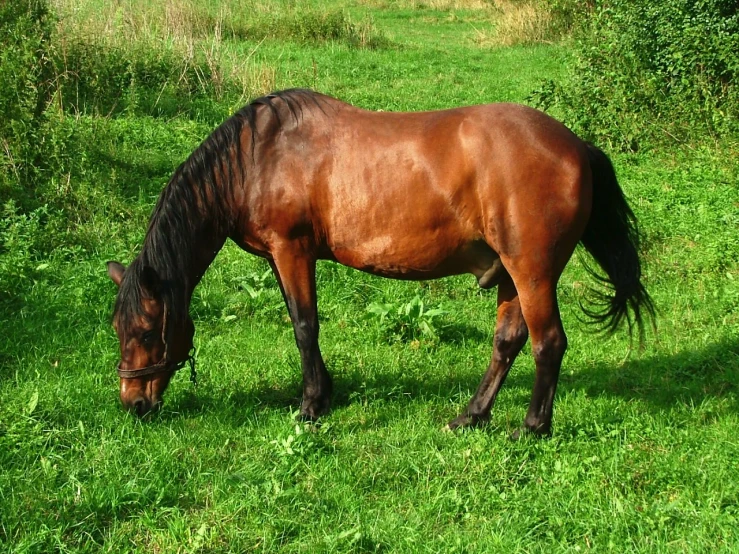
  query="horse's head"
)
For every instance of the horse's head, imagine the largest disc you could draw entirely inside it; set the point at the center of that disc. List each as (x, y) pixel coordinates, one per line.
(153, 344)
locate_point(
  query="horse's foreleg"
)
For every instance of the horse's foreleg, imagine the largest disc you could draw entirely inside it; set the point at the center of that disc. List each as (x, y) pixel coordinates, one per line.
(296, 274)
(548, 343)
(510, 336)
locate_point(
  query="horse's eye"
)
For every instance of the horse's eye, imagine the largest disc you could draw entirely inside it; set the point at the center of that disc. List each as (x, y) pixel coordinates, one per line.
(148, 337)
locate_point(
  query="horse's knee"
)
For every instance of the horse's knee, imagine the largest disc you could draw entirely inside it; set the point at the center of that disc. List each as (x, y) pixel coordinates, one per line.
(508, 342)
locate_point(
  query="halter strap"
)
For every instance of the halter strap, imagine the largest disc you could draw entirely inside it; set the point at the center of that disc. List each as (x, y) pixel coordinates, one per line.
(160, 367)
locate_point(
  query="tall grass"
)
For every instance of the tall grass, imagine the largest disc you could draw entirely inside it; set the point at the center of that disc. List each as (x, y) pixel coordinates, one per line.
(442, 5)
(158, 49)
(528, 22)
(187, 21)
(511, 22)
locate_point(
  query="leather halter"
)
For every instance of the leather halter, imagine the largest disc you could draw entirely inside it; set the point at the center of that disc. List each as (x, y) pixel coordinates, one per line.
(162, 365)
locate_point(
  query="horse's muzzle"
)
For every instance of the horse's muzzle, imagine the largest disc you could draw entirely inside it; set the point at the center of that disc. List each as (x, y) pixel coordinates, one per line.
(142, 406)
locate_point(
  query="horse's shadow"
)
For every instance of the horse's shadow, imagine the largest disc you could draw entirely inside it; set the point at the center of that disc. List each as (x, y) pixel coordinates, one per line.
(659, 382)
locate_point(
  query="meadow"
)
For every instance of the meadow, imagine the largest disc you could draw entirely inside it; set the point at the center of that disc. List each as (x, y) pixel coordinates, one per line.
(644, 455)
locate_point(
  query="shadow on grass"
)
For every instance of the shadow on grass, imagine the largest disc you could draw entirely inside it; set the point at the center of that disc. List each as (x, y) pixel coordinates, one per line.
(461, 333)
(659, 383)
(663, 381)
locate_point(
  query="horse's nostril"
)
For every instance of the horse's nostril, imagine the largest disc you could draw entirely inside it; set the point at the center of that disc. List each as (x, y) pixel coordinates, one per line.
(139, 405)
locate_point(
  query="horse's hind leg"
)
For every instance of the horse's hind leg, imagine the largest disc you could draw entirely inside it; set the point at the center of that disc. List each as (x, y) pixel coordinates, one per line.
(548, 343)
(510, 336)
(296, 274)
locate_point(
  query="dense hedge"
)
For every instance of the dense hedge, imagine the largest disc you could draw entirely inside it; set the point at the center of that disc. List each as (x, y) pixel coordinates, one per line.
(26, 86)
(648, 71)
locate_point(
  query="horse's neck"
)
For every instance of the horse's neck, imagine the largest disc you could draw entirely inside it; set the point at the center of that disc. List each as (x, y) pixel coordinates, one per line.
(182, 253)
(204, 253)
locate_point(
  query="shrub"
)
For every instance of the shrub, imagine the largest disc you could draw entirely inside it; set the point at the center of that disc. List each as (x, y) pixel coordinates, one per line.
(651, 71)
(26, 86)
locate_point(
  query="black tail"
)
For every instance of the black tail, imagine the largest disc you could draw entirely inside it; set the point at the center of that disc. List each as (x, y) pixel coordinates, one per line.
(612, 238)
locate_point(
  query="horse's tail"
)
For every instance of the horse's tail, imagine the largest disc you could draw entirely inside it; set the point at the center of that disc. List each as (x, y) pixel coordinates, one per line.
(612, 238)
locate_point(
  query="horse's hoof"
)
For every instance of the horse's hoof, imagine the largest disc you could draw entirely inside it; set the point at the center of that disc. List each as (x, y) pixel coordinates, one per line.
(525, 431)
(466, 421)
(306, 418)
(312, 411)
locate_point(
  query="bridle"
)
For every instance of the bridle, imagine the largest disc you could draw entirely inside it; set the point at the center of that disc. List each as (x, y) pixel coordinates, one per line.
(162, 365)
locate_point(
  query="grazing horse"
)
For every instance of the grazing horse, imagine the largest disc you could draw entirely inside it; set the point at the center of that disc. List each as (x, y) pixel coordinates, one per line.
(501, 191)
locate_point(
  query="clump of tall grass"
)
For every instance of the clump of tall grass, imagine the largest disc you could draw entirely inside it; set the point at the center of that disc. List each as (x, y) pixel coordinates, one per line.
(187, 21)
(441, 5)
(156, 59)
(528, 22)
(161, 58)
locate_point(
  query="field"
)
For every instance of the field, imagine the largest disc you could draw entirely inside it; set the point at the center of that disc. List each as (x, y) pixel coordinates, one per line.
(644, 455)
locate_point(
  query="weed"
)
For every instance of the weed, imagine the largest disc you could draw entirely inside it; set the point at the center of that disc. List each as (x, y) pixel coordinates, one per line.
(407, 321)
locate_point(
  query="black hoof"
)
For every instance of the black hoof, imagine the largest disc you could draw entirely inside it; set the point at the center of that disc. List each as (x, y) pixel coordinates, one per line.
(525, 431)
(312, 410)
(466, 421)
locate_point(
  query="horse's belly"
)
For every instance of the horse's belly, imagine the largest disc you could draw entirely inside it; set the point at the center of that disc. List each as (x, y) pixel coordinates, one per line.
(402, 257)
(392, 257)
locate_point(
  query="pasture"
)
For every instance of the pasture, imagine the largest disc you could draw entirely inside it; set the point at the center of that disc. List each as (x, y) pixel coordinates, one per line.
(644, 455)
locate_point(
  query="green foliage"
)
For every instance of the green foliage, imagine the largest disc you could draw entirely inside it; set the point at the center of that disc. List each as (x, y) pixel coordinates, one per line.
(20, 235)
(665, 70)
(256, 284)
(26, 87)
(567, 14)
(263, 295)
(308, 25)
(143, 79)
(408, 321)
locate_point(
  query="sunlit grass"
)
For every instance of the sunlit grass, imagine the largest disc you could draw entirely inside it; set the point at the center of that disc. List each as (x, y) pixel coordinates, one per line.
(644, 451)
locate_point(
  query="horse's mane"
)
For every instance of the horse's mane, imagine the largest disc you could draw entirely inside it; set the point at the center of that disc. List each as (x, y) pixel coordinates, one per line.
(199, 197)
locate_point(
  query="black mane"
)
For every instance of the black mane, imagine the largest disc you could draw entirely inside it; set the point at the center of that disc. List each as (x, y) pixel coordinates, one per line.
(197, 199)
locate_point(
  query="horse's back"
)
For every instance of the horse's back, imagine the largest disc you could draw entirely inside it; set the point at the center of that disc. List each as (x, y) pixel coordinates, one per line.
(424, 194)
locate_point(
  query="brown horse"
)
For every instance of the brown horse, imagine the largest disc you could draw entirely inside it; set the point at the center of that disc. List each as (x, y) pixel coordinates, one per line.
(501, 191)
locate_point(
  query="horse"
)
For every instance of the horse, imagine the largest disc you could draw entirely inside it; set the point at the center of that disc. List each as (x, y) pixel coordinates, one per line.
(500, 191)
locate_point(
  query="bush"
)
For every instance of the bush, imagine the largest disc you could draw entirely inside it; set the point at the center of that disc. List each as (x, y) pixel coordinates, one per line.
(26, 86)
(144, 79)
(651, 71)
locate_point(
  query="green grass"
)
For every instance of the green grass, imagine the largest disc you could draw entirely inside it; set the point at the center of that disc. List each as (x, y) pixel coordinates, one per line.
(644, 456)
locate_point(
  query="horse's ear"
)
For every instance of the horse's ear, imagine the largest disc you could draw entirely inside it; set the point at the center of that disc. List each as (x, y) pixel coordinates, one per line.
(115, 272)
(150, 281)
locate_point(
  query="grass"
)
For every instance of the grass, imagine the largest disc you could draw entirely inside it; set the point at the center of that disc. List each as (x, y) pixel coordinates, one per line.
(644, 455)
